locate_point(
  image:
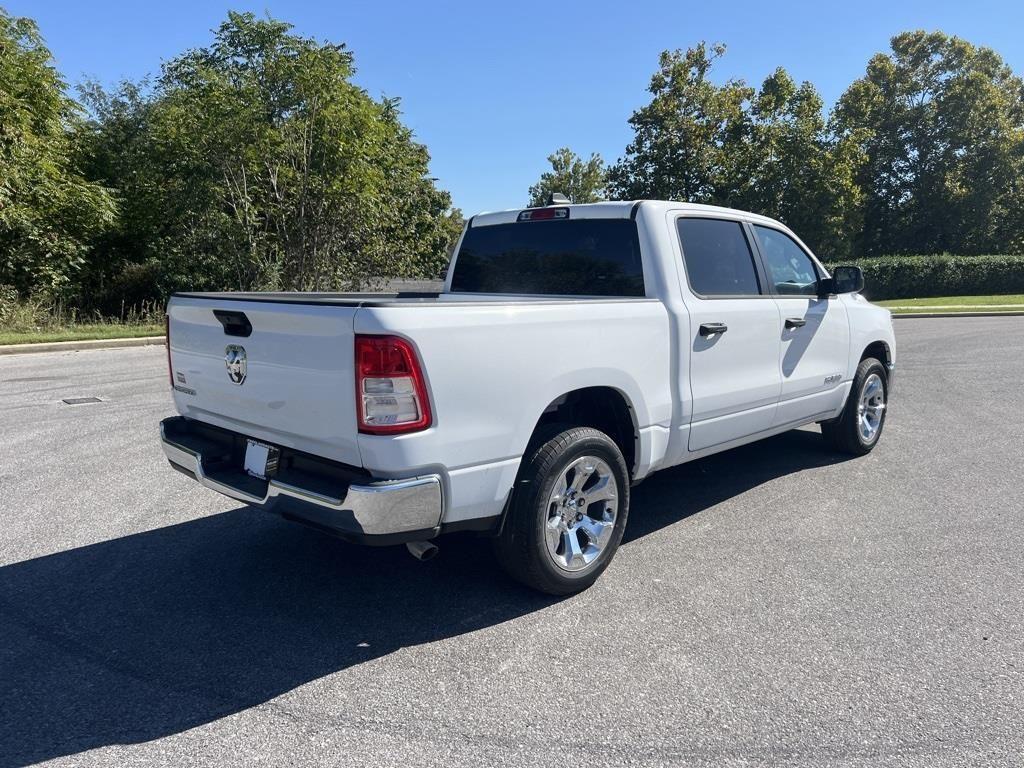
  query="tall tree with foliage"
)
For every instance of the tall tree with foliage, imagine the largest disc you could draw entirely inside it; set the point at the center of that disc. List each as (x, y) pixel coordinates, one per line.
(49, 213)
(767, 150)
(784, 164)
(940, 124)
(256, 163)
(582, 181)
(680, 149)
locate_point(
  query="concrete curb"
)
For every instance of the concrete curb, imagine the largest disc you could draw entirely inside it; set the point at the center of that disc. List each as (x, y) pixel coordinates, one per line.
(957, 314)
(75, 346)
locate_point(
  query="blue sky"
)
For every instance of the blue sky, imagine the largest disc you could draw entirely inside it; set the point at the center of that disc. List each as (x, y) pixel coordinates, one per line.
(493, 89)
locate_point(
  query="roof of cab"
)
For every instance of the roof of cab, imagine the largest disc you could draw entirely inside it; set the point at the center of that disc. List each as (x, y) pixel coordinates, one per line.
(619, 209)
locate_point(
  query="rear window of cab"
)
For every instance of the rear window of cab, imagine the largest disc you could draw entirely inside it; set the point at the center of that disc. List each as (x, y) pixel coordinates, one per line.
(563, 257)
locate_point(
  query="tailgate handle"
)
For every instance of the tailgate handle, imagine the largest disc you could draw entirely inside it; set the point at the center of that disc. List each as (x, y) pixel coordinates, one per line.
(235, 323)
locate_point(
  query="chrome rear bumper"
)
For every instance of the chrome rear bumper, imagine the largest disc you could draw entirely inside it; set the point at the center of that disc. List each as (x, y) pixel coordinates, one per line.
(374, 512)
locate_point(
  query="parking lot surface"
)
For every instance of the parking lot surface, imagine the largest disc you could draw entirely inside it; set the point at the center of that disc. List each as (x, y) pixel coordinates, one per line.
(775, 604)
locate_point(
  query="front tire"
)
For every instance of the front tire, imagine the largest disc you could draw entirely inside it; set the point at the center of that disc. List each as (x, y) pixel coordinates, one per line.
(567, 514)
(859, 427)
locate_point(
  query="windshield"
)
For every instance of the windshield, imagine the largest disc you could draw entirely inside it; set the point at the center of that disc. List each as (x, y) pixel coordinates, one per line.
(583, 257)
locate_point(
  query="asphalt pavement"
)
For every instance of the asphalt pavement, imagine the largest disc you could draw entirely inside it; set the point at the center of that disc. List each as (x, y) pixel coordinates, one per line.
(774, 605)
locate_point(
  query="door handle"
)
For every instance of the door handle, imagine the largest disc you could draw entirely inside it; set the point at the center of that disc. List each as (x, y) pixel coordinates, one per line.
(710, 329)
(795, 322)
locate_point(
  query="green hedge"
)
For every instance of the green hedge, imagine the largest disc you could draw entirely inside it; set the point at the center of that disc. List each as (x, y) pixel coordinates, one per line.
(919, 277)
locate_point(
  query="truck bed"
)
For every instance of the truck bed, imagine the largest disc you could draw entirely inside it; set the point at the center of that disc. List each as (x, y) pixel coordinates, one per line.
(492, 365)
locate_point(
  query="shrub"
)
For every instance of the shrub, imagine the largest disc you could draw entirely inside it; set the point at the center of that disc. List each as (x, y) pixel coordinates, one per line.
(24, 314)
(133, 290)
(912, 277)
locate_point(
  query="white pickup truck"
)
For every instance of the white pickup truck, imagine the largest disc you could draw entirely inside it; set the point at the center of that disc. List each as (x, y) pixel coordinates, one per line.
(574, 350)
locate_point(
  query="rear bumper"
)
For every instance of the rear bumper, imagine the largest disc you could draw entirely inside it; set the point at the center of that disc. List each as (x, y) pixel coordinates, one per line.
(321, 494)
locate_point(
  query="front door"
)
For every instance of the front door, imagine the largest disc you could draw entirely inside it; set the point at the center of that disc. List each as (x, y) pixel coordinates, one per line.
(815, 332)
(734, 344)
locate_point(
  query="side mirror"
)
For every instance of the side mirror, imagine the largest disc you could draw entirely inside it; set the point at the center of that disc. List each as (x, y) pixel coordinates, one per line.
(843, 280)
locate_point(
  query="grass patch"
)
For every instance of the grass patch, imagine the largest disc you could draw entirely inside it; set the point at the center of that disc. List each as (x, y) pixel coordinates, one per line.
(82, 333)
(957, 301)
(956, 310)
(953, 304)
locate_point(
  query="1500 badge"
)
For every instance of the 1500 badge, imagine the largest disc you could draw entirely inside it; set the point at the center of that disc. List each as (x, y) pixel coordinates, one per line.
(180, 383)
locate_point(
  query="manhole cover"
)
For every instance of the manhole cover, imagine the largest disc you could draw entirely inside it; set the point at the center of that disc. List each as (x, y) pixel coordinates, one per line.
(80, 400)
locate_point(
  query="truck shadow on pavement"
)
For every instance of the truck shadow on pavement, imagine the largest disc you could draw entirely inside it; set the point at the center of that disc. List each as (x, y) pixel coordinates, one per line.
(158, 632)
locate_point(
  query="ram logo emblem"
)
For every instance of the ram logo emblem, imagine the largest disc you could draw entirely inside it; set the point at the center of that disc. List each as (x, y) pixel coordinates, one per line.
(234, 359)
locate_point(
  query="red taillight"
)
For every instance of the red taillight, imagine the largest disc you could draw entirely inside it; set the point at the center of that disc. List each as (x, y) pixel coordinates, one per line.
(391, 395)
(543, 214)
(167, 343)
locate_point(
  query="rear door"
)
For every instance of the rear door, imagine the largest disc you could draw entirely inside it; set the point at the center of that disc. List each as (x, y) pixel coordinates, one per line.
(282, 372)
(815, 332)
(734, 339)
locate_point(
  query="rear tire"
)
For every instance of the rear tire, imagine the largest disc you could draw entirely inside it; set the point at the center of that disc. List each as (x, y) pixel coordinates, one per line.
(859, 427)
(568, 512)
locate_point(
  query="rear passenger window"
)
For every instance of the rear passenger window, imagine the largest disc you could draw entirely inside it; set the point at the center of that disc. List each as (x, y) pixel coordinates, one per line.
(718, 258)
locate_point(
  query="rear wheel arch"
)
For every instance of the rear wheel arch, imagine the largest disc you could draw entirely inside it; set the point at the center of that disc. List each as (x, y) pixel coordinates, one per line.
(605, 409)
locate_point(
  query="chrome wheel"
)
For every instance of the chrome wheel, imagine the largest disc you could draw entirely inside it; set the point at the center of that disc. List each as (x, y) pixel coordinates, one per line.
(581, 513)
(871, 408)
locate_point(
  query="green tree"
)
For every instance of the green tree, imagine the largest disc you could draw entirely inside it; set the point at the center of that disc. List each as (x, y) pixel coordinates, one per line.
(767, 150)
(256, 163)
(784, 164)
(49, 213)
(680, 149)
(582, 181)
(940, 126)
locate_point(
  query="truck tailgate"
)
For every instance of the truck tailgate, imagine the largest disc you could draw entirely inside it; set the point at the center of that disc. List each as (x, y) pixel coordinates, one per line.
(289, 381)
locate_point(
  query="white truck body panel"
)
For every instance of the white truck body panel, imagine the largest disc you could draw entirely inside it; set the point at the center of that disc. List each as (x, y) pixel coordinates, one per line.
(299, 386)
(734, 376)
(481, 362)
(809, 358)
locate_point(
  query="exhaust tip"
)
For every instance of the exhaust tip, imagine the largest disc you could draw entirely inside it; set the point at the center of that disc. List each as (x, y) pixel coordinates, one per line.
(422, 550)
